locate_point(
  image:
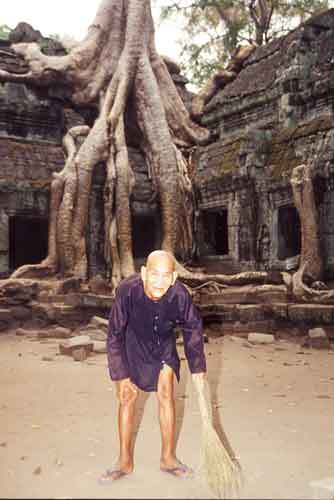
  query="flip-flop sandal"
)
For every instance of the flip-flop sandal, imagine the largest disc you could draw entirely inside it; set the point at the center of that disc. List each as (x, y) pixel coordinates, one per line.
(109, 476)
(182, 471)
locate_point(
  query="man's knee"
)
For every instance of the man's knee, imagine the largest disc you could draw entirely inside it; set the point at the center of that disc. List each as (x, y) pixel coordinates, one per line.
(127, 396)
(165, 392)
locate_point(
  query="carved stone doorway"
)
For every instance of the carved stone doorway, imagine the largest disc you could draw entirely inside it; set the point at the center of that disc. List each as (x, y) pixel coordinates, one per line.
(215, 228)
(289, 235)
(145, 235)
(28, 240)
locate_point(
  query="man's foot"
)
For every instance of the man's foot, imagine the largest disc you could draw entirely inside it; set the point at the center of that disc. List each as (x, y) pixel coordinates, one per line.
(178, 470)
(111, 475)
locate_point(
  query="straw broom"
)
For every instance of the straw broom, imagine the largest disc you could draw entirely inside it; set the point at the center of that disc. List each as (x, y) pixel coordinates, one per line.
(222, 469)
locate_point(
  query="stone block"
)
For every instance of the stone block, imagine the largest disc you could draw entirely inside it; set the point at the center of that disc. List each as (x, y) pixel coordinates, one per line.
(4, 264)
(92, 331)
(261, 338)
(80, 353)
(265, 326)
(99, 322)
(80, 341)
(318, 338)
(43, 311)
(316, 313)
(21, 312)
(218, 312)
(6, 315)
(4, 233)
(69, 285)
(280, 311)
(23, 332)
(77, 341)
(99, 346)
(68, 316)
(248, 294)
(251, 312)
(16, 292)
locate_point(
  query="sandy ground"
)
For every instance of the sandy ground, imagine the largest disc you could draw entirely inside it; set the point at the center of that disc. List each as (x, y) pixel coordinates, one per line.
(58, 427)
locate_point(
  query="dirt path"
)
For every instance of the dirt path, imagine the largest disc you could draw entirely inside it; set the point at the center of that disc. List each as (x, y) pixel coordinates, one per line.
(58, 422)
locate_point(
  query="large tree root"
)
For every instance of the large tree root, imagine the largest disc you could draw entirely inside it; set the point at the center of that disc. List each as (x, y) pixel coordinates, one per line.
(304, 293)
(303, 192)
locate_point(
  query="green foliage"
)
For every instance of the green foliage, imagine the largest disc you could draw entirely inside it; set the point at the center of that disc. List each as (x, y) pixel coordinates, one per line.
(4, 32)
(212, 29)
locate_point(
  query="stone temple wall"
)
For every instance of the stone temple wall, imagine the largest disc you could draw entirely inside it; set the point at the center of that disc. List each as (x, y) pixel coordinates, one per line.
(277, 114)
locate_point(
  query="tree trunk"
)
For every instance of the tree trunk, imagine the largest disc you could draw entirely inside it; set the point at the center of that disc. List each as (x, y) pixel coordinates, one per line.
(310, 255)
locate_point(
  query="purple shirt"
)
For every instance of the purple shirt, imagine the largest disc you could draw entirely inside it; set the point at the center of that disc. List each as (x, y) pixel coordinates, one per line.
(141, 337)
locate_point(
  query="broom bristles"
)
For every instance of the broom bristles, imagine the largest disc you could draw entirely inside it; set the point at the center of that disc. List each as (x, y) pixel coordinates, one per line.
(222, 469)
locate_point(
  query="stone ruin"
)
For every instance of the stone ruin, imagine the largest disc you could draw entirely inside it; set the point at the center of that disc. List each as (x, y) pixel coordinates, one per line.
(277, 113)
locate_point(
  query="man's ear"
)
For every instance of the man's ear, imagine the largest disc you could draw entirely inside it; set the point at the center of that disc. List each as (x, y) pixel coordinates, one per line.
(174, 277)
(143, 273)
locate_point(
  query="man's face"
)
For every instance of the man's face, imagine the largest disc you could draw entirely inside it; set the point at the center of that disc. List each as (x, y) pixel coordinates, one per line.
(158, 276)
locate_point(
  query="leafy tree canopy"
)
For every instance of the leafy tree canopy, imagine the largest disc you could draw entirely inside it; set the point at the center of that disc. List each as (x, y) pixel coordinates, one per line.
(213, 28)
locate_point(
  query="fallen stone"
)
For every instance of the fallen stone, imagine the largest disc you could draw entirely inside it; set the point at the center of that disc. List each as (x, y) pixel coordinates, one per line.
(318, 339)
(23, 332)
(261, 338)
(99, 322)
(77, 342)
(92, 331)
(80, 353)
(99, 346)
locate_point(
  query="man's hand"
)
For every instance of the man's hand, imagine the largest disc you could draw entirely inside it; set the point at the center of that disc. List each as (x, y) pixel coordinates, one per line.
(126, 390)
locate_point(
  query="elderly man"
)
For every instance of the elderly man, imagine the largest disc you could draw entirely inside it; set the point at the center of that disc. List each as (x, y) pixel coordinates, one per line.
(142, 354)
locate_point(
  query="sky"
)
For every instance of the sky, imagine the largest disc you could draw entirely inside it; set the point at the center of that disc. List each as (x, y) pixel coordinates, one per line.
(72, 17)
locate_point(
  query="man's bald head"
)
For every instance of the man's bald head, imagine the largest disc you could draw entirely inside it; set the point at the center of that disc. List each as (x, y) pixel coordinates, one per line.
(158, 274)
(160, 257)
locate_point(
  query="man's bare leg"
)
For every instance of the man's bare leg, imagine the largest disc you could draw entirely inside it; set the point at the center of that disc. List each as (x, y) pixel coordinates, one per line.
(167, 419)
(127, 394)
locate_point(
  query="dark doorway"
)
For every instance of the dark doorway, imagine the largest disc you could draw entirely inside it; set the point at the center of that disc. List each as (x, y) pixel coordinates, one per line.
(28, 240)
(143, 235)
(289, 237)
(216, 231)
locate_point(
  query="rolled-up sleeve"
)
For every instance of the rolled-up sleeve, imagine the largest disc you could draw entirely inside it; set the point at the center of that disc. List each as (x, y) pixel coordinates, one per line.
(193, 337)
(116, 351)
